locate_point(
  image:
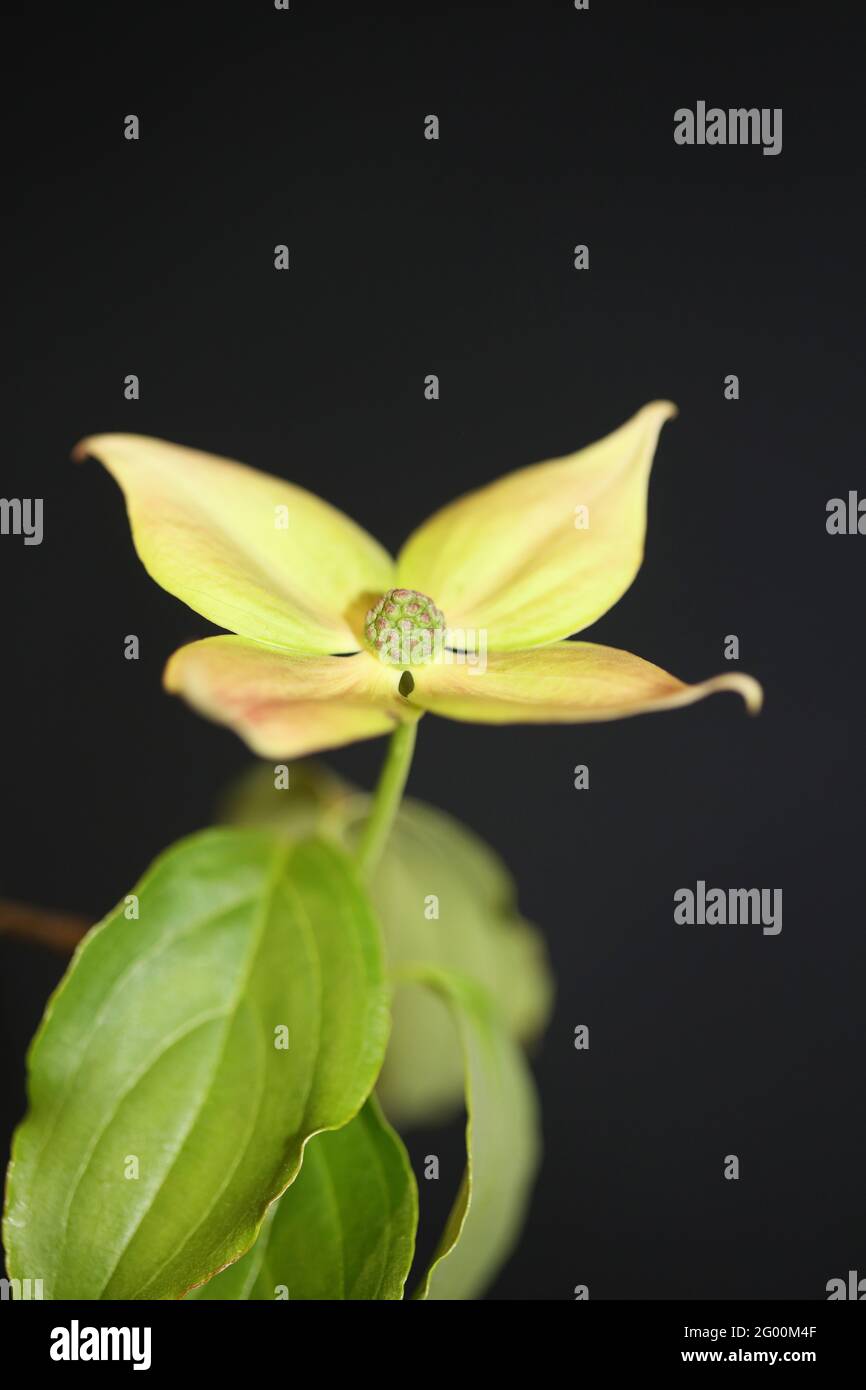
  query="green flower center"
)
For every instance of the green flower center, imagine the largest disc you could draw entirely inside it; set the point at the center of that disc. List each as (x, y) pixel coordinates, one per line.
(405, 628)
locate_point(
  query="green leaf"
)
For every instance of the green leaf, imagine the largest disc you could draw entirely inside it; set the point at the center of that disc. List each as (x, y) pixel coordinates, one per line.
(253, 799)
(479, 931)
(502, 1147)
(344, 1230)
(157, 1056)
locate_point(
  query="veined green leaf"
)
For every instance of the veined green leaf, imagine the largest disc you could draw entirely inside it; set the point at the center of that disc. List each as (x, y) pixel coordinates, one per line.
(345, 1229)
(502, 1146)
(444, 897)
(166, 1110)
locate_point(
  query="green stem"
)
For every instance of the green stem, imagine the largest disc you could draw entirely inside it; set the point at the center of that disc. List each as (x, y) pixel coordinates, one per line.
(387, 797)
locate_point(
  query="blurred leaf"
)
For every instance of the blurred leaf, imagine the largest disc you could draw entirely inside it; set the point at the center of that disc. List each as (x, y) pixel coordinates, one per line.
(254, 799)
(479, 931)
(159, 1049)
(502, 1147)
(344, 1230)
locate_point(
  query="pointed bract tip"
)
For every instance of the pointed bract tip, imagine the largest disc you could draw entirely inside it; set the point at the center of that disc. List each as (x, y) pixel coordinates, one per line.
(753, 693)
(666, 410)
(746, 687)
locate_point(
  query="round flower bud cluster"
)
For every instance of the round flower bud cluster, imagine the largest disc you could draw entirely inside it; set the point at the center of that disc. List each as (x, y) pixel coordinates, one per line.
(404, 626)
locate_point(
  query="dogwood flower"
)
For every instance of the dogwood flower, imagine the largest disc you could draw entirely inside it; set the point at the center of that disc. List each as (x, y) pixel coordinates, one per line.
(333, 641)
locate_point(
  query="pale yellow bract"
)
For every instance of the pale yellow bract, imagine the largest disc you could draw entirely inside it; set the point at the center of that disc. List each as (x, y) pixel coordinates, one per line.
(516, 567)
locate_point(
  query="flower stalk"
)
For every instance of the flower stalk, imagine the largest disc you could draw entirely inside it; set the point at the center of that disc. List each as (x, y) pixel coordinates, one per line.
(386, 798)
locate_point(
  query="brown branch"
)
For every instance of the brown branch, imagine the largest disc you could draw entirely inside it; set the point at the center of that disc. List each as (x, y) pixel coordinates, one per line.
(61, 931)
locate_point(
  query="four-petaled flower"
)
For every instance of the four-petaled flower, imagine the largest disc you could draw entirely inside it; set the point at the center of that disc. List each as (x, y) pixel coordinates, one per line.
(334, 641)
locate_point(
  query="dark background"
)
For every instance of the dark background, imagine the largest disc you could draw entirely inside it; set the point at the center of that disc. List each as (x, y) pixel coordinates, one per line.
(410, 257)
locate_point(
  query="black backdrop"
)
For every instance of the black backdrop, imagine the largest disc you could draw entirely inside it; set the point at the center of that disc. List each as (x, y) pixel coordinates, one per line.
(408, 257)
